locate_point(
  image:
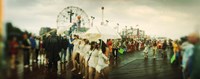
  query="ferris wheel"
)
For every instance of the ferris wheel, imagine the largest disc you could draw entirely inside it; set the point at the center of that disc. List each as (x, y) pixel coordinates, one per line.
(72, 15)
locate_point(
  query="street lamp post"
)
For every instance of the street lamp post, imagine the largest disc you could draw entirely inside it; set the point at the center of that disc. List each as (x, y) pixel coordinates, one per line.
(117, 27)
(107, 22)
(102, 23)
(92, 17)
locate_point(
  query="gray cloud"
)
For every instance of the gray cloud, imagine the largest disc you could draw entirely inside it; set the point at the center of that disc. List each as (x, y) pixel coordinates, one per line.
(21, 3)
(163, 17)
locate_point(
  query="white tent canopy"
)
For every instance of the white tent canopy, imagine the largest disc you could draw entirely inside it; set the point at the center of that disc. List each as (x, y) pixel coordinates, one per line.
(108, 32)
(102, 32)
(61, 30)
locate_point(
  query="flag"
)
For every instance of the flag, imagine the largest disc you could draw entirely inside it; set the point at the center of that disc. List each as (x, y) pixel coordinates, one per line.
(121, 51)
(173, 58)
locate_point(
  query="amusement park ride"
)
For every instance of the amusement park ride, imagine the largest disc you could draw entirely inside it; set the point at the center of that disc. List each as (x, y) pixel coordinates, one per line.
(73, 19)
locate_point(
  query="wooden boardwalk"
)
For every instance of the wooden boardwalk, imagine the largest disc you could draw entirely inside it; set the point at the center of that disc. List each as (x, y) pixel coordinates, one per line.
(146, 69)
(129, 66)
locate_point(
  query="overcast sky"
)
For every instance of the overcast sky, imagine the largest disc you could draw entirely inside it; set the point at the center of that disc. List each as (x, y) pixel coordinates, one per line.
(170, 18)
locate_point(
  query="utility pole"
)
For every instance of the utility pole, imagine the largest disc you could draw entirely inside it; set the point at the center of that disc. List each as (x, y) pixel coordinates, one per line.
(138, 31)
(70, 15)
(131, 31)
(126, 31)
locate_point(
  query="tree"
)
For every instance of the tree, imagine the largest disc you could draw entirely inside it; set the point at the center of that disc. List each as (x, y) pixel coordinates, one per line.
(13, 31)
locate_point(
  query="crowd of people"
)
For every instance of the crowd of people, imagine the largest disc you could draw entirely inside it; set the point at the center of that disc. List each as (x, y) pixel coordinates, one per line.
(31, 48)
(92, 58)
(87, 57)
(186, 52)
(157, 47)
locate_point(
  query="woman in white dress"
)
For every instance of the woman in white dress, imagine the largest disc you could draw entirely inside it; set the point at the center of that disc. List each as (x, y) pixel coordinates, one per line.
(76, 43)
(93, 59)
(81, 53)
(102, 68)
(84, 60)
(87, 51)
(146, 50)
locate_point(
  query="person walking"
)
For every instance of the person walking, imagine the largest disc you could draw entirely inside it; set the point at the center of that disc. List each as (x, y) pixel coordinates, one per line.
(125, 45)
(54, 47)
(115, 48)
(164, 49)
(33, 48)
(65, 44)
(70, 49)
(159, 48)
(13, 50)
(46, 41)
(37, 49)
(76, 44)
(194, 65)
(176, 50)
(102, 68)
(86, 55)
(109, 44)
(146, 49)
(41, 49)
(26, 45)
(93, 59)
(81, 53)
(154, 49)
(187, 51)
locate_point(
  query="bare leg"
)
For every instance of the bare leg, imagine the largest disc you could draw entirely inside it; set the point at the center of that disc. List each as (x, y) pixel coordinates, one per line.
(154, 52)
(97, 75)
(13, 61)
(106, 72)
(86, 70)
(74, 61)
(91, 70)
(81, 65)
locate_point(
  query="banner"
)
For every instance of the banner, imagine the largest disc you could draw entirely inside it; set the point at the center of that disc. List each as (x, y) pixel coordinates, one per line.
(173, 58)
(121, 51)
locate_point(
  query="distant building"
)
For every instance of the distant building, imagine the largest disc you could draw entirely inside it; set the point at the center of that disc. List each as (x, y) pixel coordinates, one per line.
(133, 33)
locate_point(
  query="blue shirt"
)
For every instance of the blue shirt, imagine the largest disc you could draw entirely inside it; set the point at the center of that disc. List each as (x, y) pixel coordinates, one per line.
(33, 42)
